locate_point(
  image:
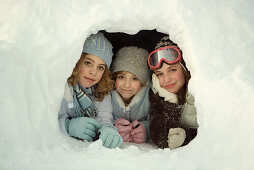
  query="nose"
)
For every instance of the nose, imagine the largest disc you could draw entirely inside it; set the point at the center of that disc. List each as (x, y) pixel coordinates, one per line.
(167, 78)
(93, 71)
(127, 83)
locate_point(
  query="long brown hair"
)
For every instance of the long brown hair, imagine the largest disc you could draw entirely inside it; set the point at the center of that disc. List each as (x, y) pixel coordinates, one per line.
(105, 85)
(182, 93)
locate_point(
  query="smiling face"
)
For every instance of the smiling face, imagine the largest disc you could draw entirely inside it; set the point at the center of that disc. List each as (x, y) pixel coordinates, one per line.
(127, 85)
(171, 77)
(91, 70)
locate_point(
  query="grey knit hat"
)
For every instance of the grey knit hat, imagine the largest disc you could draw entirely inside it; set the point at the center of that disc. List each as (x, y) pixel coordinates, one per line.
(99, 46)
(133, 60)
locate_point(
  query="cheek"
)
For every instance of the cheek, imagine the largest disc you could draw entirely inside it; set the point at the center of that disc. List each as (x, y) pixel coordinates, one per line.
(82, 70)
(100, 75)
(137, 86)
(117, 84)
(80, 73)
(181, 79)
(161, 80)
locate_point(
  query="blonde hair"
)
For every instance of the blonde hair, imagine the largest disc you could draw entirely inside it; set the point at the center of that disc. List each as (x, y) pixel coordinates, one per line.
(105, 85)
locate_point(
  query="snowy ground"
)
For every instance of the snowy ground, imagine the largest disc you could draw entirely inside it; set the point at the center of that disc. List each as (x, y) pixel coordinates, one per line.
(40, 42)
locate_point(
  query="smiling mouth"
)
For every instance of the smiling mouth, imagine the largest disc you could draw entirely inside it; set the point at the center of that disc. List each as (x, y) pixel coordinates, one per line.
(89, 79)
(126, 90)
(170, 85)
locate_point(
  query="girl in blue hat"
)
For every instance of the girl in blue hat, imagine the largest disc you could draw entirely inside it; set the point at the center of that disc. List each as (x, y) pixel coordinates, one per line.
(89, 84)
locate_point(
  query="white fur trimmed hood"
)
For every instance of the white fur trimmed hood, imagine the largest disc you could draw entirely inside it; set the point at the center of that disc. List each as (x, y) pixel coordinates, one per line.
(135, 100)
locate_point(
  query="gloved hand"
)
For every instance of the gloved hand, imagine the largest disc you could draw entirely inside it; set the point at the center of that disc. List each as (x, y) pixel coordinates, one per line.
(124, 128)
(176, 137)
(82, 127)
(138, 132)
(110, 136)
(171, 97)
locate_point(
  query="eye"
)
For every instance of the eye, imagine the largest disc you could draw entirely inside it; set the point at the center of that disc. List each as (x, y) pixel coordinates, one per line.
(120, 77)
(101, 68)
(135, 79)
(172, 70)
(88, 63)
(158, 74)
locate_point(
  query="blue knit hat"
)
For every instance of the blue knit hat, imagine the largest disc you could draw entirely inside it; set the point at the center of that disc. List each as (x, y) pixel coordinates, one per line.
(99, 46)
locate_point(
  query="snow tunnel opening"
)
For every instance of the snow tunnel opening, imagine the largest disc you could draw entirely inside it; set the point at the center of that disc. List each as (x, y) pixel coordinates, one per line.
(146, 39)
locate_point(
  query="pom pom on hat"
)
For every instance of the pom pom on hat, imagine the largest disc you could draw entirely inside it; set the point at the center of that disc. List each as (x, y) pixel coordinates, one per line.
(165, 41)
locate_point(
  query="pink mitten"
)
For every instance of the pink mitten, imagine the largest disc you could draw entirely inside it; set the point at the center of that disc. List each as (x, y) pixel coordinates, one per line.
(138, 133)
(124, 128)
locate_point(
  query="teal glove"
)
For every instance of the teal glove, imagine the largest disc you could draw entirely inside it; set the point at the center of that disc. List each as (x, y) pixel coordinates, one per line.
(110, 136)
(82, 127)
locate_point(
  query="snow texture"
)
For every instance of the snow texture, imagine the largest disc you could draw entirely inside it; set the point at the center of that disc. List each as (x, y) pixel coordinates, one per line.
(40, 42)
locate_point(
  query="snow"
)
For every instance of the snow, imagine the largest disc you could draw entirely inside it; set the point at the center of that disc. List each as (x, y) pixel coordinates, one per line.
(40, 42)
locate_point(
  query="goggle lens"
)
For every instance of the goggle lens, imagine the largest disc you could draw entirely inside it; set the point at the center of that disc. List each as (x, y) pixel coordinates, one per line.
(169, 54)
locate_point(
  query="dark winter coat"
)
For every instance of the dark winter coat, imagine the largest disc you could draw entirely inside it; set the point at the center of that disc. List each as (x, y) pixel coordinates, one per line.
(165, 115)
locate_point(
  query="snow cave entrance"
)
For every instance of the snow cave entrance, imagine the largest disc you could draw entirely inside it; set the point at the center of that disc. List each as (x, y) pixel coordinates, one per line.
(146, 39)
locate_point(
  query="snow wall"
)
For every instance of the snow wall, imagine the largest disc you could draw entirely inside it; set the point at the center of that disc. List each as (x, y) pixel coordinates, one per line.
(40, 42)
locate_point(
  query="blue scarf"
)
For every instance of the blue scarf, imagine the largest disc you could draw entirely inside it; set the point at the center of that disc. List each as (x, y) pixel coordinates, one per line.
(83, 101)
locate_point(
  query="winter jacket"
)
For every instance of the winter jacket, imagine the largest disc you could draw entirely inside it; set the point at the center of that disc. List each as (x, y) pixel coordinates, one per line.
(137, 109)
(165, 115)
(67, 109)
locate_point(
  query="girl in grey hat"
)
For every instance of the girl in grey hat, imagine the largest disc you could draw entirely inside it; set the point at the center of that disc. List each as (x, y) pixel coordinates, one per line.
(90, 81)
(130, 98)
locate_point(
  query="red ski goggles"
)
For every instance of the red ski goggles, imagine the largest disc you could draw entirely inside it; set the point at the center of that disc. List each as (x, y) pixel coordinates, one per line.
(169, 54)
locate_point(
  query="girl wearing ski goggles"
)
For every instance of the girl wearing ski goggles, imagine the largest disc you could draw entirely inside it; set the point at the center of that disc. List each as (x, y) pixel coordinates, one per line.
(173, 121)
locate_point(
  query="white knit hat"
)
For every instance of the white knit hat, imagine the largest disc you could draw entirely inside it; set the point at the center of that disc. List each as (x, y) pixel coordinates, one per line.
(133, 60)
